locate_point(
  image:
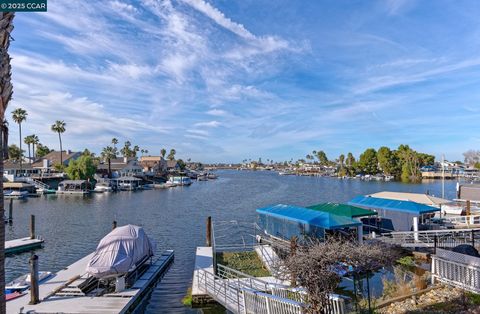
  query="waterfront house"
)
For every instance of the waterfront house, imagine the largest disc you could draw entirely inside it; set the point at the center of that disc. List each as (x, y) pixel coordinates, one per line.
(153, 165)
(121, 167)
(287, 221)
(395, 215)
(172, 166)
(126, 183)
(12, 172)
(46, 164)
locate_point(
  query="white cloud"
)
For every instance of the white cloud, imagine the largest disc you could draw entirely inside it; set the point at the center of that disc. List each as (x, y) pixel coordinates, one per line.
(209, 124)
(217, 112)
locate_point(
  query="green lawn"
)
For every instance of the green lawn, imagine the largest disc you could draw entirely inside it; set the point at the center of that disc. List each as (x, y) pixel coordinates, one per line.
(246, 262)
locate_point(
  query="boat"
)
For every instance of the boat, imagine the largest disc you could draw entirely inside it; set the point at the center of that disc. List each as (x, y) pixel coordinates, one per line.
(22, 283)
(202, 177)
(15, 194)
(212, 176)
(452, 209)
(77, 187)
(180, 180)
(102, 187)
(115, 278)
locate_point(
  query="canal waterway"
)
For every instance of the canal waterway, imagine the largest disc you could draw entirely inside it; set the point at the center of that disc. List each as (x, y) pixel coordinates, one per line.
(175, 219)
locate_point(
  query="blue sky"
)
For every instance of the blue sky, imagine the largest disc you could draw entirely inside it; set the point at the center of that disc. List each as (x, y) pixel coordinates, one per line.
(226, 80)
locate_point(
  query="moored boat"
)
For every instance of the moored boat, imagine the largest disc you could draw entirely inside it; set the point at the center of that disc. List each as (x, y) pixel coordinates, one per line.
(180, 180)
(23, 282)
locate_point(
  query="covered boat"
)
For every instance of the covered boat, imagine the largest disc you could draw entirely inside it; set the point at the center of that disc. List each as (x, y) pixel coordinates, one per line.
(121, 251)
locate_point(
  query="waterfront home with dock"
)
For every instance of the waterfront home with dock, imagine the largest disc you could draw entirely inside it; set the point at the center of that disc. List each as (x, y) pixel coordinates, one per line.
(18, 190)
(46, 164)
(120, 167)
(126, 183)
(153, 165)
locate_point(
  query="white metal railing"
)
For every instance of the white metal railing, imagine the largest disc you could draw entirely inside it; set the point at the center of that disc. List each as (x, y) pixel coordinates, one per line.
(336, 302)
(456, 269)
(464, 220)
(221, 290)
(242, 279)
(255, 302)
(427, 238)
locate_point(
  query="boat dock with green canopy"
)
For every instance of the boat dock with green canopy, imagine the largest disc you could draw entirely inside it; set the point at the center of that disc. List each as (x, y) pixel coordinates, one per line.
(343, 210)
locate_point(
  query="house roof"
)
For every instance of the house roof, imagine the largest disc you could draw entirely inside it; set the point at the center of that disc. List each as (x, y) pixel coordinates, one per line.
(343, 210)
(151, 158)
(54, 158)
(10, 164)
(309, 216)
(414, 197)
(73, 181)
(391, 205)
(9, 185)
(171, 163)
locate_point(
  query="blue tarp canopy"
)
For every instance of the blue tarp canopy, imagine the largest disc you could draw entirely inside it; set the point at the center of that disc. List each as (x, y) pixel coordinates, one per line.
(309, 217)
(392, 205)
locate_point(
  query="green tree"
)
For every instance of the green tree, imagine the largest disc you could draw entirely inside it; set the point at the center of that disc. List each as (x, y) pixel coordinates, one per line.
(15, 153)
(126, 151)
(410, 163)
(163, 152)
(136, 149)
(477, 165)
(42, 150)
(109, 153)
(35, 142)
(388, 161)
(368, 162)
(181, 164)
(81, 169)
(322, 158)
(29, 141)
(19, 115)
(171, 155)
(114, 142)
(59, 127)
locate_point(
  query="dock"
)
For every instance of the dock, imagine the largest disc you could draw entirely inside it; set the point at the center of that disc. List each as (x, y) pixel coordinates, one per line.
(22, 245)
(61, 293)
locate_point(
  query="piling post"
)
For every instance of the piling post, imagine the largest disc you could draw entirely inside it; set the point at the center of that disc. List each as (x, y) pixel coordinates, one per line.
(34, 296)
(468, 208)
(209, 231)
(114, 225)
(10, 211)
(32, 227)
(293, 252)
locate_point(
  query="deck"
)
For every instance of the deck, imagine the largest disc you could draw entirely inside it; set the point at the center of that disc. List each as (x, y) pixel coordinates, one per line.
(22, 245)
(68, 298)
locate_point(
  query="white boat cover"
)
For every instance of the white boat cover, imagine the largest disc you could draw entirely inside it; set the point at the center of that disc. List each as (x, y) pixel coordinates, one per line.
(119, 251)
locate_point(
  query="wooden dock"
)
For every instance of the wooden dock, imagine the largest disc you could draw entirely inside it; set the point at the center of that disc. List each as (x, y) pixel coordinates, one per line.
(60, 294)
(22, 245)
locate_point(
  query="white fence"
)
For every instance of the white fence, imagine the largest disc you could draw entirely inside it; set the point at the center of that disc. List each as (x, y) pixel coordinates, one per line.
(256, 302)
(336, 304)
(449, 237)
(456, 269)
(464, 220)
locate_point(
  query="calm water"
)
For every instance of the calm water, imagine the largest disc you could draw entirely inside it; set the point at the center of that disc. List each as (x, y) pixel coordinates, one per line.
(175, 218)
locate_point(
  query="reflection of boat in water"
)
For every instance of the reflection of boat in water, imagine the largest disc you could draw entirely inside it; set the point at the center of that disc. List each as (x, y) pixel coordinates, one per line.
(15, 194)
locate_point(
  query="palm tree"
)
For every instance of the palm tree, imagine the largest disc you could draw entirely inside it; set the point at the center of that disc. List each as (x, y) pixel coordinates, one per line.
(29, 141)
(163, 152)
(6, 27)
(142, 151)
(19, 115)
(108, 153)
(136, 149)
(171, 155)
(35, 142)
(59, 127)
(126, 149)
(114, 142)
(146, 151)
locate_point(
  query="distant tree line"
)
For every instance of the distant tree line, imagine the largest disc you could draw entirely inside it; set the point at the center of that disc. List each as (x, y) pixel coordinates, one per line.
(472, 158)
(402, 163)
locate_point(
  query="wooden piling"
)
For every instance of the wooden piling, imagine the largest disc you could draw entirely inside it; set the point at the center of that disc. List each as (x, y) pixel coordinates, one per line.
(32, 226)
(34, 295)
(468, 208)
(10, 211)
(209, 231)
(114, 225)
